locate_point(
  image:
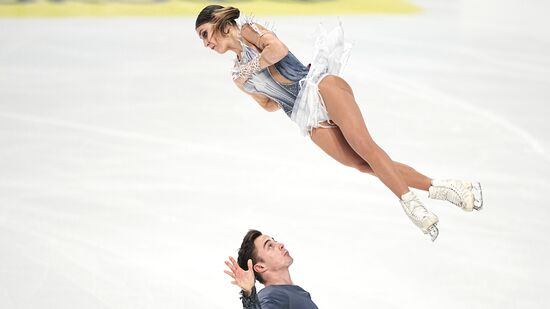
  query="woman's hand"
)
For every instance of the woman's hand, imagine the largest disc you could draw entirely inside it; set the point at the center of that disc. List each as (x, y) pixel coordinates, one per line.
(272, 49)
(242, 278)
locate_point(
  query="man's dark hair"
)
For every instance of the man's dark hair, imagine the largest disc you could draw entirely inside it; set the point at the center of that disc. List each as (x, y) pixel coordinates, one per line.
(248, 251)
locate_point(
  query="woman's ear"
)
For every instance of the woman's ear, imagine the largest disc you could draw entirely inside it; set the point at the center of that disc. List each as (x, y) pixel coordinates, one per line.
(228, 28)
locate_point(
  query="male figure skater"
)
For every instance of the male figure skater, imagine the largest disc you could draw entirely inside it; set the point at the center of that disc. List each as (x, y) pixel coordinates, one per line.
(267, 261)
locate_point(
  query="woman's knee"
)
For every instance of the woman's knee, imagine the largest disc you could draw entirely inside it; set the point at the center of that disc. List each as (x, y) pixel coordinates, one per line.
(328, 81)
(333, 82)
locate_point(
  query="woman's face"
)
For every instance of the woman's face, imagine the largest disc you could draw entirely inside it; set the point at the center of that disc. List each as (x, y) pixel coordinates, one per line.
(214, 41)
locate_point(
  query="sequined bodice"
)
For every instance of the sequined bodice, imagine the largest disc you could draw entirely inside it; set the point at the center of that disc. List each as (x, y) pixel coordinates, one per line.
(263, 82)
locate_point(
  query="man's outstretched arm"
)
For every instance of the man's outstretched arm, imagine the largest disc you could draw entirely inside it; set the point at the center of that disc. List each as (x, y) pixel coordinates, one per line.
(275, 300)
(245, 280)
(250, 299)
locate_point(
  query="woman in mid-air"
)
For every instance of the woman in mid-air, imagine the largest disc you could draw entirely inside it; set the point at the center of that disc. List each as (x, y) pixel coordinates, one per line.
(323, 106)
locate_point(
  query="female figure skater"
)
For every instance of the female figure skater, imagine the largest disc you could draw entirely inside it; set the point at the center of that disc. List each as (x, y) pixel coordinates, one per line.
(322, 104)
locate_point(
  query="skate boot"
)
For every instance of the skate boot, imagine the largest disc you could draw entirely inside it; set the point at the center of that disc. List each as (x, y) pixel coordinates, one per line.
(464, 194)
(419, 215)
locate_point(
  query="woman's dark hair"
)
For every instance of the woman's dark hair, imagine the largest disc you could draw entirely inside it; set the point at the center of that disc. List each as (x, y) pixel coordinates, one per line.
(248, 251)
(220, 16)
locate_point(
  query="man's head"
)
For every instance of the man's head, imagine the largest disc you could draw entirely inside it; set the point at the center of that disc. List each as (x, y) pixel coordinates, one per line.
(268, 256)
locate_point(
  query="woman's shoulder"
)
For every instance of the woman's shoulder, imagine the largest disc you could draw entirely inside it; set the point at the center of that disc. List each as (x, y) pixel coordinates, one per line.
(247, 22)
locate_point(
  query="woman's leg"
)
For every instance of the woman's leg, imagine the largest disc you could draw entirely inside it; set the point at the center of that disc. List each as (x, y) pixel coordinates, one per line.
(343, 110)
(413, 178)
(332, 141)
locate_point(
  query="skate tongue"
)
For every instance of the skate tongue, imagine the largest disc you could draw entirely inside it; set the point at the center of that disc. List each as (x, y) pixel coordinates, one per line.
(409, 196)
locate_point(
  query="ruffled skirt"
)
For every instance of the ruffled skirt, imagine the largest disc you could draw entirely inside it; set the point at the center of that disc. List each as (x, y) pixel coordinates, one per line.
(330, 55)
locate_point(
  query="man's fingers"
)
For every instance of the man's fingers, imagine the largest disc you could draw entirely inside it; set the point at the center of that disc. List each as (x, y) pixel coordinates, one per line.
(230, 274)
(250, 264)
(230, 266)
(235, 264)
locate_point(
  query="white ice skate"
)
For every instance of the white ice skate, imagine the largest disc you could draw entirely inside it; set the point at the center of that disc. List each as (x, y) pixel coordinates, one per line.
(464, 194)
(419, 215)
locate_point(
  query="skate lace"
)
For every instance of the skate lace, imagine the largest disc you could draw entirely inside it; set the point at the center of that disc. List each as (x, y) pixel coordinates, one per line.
(454, 194)
(417, 210)
(420, 212)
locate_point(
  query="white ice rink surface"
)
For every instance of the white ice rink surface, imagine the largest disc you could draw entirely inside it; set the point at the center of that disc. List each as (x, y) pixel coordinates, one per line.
(131, 167)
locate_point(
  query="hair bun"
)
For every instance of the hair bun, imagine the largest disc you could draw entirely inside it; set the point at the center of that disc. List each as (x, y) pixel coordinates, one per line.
(219, 15)
(232, 12)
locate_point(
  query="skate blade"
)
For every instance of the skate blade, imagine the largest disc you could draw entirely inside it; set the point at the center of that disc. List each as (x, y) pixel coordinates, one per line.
(478, 195)
(433, 231)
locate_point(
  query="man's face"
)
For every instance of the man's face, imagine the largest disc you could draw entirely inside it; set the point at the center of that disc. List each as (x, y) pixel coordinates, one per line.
(272, 254)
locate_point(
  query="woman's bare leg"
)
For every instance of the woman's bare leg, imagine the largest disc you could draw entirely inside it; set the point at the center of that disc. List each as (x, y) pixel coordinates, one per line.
(343, 110)
(414, 178)
(332, 142)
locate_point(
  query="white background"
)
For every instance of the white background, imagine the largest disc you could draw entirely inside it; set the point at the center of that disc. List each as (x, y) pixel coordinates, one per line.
(131, 167)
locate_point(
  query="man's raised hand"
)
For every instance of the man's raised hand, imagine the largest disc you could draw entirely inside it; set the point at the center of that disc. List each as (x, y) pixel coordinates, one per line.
(242, 278)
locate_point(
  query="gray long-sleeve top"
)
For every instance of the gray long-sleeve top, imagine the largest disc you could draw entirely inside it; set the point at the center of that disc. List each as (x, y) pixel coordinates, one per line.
(279, 297)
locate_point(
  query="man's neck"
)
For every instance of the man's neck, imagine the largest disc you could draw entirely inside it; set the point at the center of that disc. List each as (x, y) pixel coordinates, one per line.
(282, 278)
